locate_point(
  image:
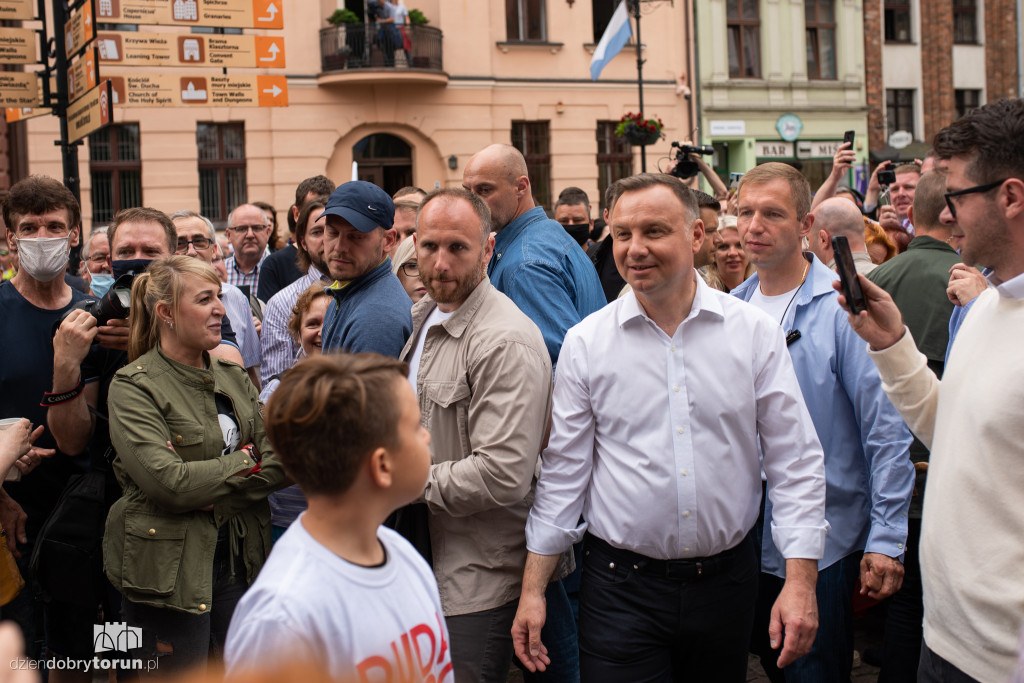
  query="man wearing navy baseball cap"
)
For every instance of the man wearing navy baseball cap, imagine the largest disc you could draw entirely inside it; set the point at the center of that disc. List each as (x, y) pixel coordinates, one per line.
(370, 310)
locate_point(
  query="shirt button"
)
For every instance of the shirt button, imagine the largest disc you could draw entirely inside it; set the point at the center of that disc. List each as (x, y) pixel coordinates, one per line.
(611, 565)
(245, 462)
(202, 607)
(686, 513)
(900, 546)
(680, 430)
(685, 472)
(138, 367)
(152, 532)
(675, 388)
(673, 347)
(686, 550)
(177, 439)
(207, 380)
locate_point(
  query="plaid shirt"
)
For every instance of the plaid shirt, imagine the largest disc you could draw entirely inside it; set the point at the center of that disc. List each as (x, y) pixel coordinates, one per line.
(239, 279)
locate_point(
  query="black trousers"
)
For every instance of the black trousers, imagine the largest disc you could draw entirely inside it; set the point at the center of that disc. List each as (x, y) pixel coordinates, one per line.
(644, 620)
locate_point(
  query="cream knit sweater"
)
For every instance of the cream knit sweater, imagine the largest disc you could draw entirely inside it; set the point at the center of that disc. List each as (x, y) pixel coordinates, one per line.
(972, 540)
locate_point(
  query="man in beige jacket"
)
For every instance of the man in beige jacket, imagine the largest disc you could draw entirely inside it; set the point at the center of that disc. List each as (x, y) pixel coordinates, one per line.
(483, 378)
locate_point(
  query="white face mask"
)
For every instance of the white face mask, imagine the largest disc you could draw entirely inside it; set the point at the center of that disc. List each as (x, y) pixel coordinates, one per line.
(43, 258)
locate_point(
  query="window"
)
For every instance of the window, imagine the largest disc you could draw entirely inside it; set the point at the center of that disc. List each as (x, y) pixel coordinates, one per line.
(897, 21)
(603, 10)
(966, 101)
(533, 139)
(222, 185)
(524, 20)
(614, 158)
(115, 168)
(744, 26)
(899, 110)
(965, 21)
(820, 22)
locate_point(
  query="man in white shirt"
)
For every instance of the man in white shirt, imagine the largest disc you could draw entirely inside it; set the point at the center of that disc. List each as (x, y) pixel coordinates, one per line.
(658, 449)
(971, 546)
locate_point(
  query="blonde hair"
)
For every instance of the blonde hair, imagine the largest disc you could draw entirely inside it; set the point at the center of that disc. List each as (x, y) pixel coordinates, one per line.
(163, 282)
(799, 188)
(405, 252)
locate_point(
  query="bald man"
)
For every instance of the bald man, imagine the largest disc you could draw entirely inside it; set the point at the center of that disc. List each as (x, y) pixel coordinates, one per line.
(839, 216)
(536, 263)
(550, 278)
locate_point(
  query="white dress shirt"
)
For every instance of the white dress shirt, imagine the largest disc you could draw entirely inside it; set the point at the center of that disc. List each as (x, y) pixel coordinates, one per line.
(654, 439)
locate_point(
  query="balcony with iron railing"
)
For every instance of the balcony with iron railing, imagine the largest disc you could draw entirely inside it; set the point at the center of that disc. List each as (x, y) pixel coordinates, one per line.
(362, 53)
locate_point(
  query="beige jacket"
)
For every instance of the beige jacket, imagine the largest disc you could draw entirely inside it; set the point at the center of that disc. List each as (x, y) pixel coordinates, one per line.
(484, 387)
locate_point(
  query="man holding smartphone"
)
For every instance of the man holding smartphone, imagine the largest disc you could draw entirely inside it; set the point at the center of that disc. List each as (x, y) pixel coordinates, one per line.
(868, 476)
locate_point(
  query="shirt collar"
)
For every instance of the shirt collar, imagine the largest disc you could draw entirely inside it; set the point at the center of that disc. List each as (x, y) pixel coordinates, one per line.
(704, 303)
(1011, 289)
(510, 232)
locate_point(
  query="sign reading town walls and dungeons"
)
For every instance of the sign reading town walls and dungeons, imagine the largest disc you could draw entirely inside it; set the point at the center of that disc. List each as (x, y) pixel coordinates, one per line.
(178, 90)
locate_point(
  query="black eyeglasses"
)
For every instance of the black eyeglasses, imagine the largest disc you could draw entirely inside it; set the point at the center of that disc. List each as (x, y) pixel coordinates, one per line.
(970, 190)
(411, 269)
(242, 229)
(197, 242)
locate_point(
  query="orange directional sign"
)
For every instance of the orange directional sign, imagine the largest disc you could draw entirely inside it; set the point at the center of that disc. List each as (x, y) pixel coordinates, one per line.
(17, 9)
(19, 89)
(20, 114)
(18, 46)
(238, 13)
(130, 48)
(83, 74)
(90, 113)
(176, 90)
(79, 31)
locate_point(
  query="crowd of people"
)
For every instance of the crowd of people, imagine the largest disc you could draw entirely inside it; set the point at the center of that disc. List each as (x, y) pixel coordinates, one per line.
(432, 436)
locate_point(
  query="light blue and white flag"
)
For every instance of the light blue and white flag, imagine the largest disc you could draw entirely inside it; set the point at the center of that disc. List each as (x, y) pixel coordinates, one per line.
(615, 36)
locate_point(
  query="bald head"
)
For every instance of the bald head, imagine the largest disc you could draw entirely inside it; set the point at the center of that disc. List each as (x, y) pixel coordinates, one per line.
(497, 174)
(836, 216)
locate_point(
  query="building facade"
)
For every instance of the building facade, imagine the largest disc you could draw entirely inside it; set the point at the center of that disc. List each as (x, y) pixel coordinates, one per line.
(929, 62)
(408, 107)
(782, 80)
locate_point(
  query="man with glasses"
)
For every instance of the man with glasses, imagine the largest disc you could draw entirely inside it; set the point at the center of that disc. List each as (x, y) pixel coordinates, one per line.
(198, 238)
(971, 546)
(95, 257)
(248, 231)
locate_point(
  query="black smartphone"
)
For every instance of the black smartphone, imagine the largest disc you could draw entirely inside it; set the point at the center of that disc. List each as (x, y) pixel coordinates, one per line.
(848, 275)
(848, 137)
(886, 177)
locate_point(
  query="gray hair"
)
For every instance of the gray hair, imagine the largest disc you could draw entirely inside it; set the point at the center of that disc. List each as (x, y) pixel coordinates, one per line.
(189, 213)
(94, 233)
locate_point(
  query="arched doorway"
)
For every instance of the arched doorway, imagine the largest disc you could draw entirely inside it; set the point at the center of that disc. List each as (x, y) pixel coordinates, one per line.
(384, 160)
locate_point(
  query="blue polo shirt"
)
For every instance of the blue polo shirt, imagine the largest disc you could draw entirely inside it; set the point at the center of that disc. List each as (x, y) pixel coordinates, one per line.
(548, 276)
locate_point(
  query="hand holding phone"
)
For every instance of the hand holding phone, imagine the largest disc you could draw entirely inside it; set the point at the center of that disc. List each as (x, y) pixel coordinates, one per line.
(848, 275)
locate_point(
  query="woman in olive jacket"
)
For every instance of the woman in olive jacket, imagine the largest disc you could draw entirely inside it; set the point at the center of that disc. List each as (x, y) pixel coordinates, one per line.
(192, 527)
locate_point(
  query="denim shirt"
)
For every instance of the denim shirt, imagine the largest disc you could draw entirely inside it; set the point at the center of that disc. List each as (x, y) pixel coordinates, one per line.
(869, 478)
(370, 313)
(546, 274)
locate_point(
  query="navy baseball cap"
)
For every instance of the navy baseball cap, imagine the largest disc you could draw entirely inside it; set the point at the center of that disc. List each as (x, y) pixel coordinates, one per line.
(362, 204)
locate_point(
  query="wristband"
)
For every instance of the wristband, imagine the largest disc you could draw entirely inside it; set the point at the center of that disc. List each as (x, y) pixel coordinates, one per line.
(52, 399)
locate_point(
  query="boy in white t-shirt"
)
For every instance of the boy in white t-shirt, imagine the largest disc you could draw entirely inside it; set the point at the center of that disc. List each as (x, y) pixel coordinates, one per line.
(339, 590)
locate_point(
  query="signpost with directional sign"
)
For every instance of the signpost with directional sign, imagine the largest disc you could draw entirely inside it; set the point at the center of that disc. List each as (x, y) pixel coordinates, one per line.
(19, 89)
(13, 114)
(90, 112)
(177, 90)
(17, 9)
(227, 13)
(129, 48)
(18, 46)
(79, 31)
(83, 74)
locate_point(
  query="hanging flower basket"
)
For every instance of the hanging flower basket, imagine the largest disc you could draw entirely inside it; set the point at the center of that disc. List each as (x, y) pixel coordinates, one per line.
(636, 130)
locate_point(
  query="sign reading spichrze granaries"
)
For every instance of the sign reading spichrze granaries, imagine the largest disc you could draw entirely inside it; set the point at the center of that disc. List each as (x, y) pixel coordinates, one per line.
(79, 31)
(177, 90)
(129, 48)
(17, 9)
(236, 13)
(18, 46)
(91, 112)
(19, 89)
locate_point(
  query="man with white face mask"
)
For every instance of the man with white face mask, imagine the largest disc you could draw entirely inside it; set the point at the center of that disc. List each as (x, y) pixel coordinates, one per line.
(43, 220)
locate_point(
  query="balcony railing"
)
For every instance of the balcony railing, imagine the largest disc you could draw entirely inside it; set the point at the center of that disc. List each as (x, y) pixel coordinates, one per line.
(361, 46)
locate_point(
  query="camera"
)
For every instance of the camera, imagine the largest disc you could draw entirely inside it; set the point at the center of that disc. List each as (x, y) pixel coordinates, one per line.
(684, 168)
(114, 305)
(886, 177)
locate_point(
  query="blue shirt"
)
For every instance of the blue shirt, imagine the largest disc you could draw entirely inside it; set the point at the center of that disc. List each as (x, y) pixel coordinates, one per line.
(546, 274)
(371, 313)
(869, 478)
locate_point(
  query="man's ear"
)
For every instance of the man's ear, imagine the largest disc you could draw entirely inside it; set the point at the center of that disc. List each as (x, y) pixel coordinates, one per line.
(522, 186)
(1014, 189)
(697, 235)
(806, 224)
(74, 235)
(910, 214)
(390, 240)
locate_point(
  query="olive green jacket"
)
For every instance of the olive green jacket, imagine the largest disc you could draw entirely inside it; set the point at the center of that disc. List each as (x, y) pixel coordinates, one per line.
(159, 543)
